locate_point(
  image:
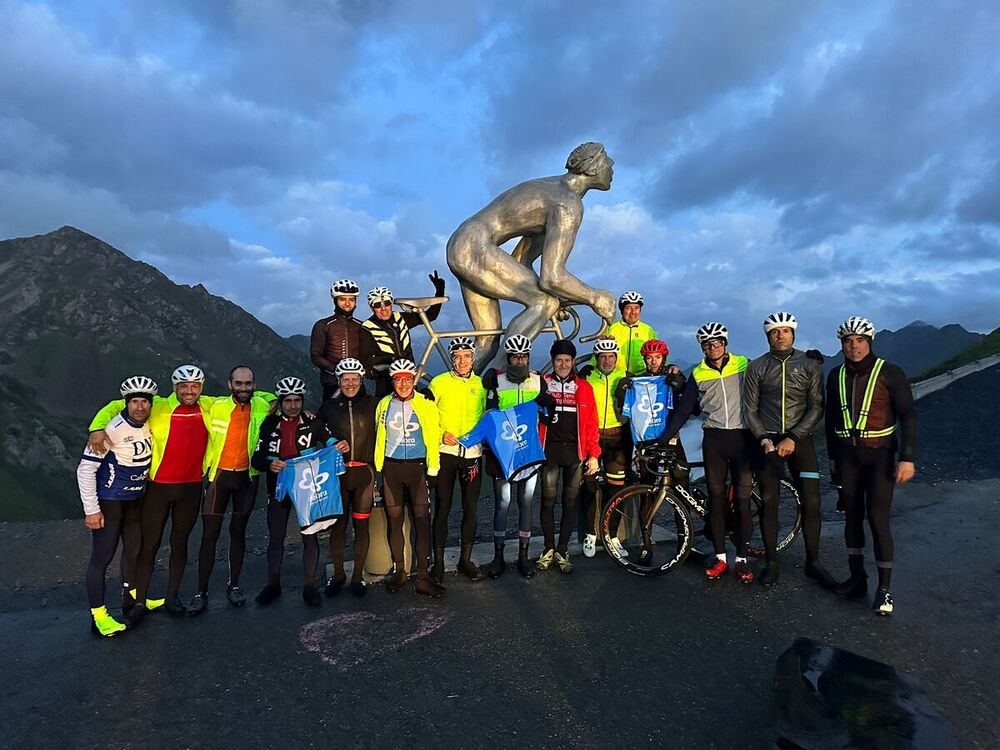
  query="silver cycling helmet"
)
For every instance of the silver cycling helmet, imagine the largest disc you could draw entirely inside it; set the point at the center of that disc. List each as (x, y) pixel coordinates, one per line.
(780, 320)
(187, 374)
(290, 386)
(138, 385)
(349, 366)
(712, 331)
(344, 288)
(517, 344)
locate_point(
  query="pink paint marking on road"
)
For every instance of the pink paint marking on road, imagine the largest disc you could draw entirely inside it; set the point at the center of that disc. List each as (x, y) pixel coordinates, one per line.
(347, 640)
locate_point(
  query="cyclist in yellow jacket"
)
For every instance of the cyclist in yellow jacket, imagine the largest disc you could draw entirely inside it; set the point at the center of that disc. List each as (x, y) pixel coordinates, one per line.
(630, 333)
(407, 452)
(461, 401)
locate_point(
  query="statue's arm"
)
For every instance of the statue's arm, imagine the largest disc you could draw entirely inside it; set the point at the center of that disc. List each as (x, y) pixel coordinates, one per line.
(529, 249)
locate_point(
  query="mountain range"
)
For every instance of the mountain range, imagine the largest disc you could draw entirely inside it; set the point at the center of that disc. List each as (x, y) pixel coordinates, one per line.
(77, 316)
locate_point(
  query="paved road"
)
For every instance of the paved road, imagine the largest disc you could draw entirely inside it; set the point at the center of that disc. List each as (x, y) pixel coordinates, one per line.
(590, 659)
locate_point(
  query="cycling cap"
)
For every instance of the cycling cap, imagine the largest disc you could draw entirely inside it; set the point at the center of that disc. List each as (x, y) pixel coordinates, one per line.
(187, 374)
(349, 366)
(630, 298)
(712, 331)
(462, 344)
(655, 346)
(517, 344)
(138, 385)
(344, 288)
(856, 326)
(606, 345)
(379, 294)
(402, 367)
(289, 387)
(562, 346)
(780, 320)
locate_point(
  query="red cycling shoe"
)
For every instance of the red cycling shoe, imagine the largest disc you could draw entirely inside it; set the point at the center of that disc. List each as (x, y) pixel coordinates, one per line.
(717, 568)
(744, 573)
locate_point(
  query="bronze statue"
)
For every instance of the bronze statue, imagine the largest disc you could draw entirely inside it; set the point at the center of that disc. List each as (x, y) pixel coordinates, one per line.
(546, 214)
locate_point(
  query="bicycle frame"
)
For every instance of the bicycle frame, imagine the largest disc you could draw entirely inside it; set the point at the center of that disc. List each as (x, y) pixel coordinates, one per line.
(419, 305)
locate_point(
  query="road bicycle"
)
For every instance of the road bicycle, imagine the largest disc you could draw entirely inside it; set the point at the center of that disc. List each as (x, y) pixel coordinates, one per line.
(650, 529)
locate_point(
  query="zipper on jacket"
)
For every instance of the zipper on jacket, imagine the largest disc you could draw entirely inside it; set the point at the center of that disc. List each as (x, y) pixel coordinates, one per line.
(350, 421)
(783, 394)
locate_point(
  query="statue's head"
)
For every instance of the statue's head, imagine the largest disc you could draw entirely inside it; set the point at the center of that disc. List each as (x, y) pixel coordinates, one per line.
(590, 159)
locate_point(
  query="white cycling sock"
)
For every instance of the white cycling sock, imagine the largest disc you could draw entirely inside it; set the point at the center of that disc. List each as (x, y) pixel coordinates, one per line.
(721, 556)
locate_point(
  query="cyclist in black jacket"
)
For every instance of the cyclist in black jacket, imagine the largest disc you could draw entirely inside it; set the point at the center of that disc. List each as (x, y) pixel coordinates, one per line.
(870, 415)
(782, 405)
(350, 416)
(285, 434)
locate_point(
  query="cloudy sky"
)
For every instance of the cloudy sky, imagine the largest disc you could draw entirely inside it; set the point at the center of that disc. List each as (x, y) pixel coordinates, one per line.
(825, 158)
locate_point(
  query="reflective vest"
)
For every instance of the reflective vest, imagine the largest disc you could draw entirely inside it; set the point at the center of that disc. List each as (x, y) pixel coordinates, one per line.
(630, 340)
(511, 394)
(852, 429)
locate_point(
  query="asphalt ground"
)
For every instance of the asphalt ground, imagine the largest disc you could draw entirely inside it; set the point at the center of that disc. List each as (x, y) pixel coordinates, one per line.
(589, 659)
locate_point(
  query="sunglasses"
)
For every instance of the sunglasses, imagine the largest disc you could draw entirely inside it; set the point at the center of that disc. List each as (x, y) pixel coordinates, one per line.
(379, 305)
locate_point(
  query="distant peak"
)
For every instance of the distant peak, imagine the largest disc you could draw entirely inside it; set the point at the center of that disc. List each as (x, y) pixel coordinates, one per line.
(919, 324)
(70, 231)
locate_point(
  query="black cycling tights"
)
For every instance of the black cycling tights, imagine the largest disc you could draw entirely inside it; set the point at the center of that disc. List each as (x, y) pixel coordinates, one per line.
(867, 476)
(277, 527)
(804, 469)
(357, 490)
(180, 503)
(467, 472)
(726, 453)
(407, 479)
(562, 461)
(122, 520)
(229, 486)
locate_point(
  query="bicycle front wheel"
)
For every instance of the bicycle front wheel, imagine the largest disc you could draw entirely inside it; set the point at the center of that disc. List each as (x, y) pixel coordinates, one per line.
(647, 530)
(789, 518)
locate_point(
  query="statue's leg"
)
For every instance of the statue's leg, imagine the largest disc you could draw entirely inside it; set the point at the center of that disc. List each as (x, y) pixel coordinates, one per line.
(484, 313)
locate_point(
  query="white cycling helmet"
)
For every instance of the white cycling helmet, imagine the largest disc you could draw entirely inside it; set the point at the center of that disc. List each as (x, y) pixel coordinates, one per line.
(138, 385)
(630, 298)
(187, 374)
(780, 320)
(401, 367)
(462, 344)
(291, 386)
(379, 294)
(857, 326)
(712, 331)
(344, 288)
(606, 345)
(517, 344)
(349, 366)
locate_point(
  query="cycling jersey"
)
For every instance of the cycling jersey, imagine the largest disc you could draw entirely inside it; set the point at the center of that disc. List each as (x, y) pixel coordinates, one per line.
(312, 483)
(647, 405)
(630, 340)
(512, 434)
(121, 473)
(461, 403)
(426, 414)
(574, 399)
(403, 437)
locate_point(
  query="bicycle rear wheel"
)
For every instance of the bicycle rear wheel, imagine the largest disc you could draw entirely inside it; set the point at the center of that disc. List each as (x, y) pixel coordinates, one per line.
(644, 535)
(789, 518)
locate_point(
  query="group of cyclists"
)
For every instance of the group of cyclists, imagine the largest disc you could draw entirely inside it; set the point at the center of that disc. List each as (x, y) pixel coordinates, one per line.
(575, 428)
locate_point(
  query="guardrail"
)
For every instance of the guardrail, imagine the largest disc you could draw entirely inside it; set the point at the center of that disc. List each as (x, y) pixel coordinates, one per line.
(939, 382)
